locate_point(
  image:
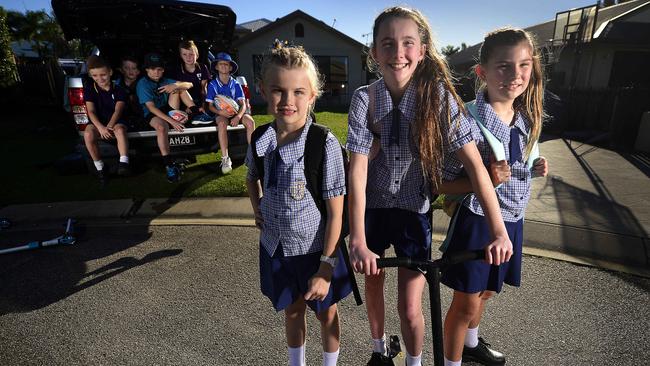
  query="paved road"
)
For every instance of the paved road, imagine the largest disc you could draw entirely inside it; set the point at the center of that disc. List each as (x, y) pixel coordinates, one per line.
(189, 296)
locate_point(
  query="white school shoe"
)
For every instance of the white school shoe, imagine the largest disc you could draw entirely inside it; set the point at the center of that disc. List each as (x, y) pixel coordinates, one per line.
(226, 165)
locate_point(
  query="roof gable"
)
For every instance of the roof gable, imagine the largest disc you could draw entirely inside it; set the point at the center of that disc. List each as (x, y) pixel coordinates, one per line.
(298, 14)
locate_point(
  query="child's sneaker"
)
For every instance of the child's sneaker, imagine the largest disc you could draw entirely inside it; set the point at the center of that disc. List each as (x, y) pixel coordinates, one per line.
(173, 173)
(102, 178)
(123, 169)
(202, 119)
(226, 165)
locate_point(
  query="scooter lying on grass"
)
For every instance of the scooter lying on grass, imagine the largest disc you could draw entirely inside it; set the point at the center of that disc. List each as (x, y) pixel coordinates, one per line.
(432, 271)
(67, 238)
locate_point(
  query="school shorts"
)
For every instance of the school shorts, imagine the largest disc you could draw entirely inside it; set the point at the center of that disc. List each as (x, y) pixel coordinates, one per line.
(165, 109)
(285, 279)
(408, 231)
(471, 233)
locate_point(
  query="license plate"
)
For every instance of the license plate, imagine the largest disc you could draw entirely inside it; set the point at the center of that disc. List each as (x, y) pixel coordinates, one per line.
(181, 140)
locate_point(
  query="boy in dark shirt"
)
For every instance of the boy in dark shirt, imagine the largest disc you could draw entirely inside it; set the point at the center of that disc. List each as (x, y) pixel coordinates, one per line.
(105, 104)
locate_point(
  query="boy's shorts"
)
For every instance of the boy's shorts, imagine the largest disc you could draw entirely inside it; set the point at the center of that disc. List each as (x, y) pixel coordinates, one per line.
(165, 109)
(285, 279)
(409, 232)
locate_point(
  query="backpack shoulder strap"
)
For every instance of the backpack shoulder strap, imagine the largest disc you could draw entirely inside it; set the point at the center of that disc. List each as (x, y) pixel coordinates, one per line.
(313, 158)
(259, 160)
(495, 144)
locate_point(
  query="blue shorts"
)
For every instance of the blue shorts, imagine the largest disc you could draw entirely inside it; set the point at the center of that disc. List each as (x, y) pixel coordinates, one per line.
(409, 232)
(285, 279)
(471, 233)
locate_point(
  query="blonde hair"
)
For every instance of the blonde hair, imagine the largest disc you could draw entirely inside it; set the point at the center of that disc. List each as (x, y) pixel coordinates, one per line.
(189, 45)
(292, 57)
(531, 101)
(430, 107)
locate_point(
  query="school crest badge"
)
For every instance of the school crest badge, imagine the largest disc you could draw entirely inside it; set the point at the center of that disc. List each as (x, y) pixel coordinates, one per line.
(297, 190)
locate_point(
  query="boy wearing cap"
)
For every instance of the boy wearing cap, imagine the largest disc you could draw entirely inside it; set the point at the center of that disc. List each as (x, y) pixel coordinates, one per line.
(158, 96)
(225, 84)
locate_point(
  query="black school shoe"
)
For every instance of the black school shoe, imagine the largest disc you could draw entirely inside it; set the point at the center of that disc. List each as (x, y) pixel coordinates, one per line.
(378, 359)
(483, 354)
(123, 169)
(101, 175)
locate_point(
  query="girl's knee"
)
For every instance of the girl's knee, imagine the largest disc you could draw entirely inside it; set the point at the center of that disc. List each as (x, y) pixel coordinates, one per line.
(465, 306)
(295, 310)
(375, 282)
(486, 295)
(328, 315)
(409, 311)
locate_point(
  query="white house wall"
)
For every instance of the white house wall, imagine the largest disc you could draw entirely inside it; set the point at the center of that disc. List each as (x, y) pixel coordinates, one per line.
(316, 41)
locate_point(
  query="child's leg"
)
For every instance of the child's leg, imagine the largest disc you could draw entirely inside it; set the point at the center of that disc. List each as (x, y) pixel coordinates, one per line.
(464, 307)
(186, 98)
(330, 329)
(91, 134)
(485, 296)
(249, 123)
(162, 134)
(222, 133)
(295, 327)
(375, 304)
(122, 141)
(409, 306)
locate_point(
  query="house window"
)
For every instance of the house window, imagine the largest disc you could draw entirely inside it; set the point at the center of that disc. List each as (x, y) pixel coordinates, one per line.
(335, 74)
(299, 30)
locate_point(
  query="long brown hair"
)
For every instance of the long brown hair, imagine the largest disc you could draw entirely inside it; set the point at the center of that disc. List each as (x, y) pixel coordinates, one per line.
(430, 106)
(531, 101)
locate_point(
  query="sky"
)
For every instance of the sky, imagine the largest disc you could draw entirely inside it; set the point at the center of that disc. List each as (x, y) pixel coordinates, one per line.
(453, 22)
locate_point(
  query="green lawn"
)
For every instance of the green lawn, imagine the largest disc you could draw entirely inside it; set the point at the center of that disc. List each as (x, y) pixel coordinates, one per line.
(30, 175)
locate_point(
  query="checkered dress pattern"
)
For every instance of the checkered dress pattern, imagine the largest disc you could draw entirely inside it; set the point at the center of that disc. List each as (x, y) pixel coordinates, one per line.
(395, 176)
(290, 213)
(513, 195)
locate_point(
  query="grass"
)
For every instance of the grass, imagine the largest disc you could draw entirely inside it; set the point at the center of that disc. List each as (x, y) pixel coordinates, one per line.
(41, 137)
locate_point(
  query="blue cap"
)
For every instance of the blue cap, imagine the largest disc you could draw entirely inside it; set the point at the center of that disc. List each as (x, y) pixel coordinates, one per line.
(222, 56)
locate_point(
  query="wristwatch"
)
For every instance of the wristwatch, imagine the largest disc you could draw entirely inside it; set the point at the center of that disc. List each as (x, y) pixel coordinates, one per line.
(329, 260)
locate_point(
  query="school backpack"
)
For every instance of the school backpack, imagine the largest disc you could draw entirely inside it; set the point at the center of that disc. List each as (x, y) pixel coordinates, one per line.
(313, 160)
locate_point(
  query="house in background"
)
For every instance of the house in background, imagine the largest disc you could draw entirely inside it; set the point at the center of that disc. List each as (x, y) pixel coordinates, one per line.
(340, 58)
(596, 64)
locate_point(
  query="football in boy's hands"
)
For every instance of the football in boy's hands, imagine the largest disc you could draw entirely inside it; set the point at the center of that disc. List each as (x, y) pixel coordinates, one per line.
(226, 103)
(178, 116)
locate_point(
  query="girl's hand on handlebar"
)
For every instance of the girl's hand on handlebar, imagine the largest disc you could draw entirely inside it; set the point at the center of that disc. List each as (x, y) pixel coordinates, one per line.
(363, 260)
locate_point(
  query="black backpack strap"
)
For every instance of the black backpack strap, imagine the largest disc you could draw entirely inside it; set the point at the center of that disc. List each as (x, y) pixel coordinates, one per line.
(259, 160)
(313, 159)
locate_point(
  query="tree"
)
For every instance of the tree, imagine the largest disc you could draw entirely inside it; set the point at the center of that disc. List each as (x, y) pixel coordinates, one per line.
(38, 27)
(449, 50)
(8, 70)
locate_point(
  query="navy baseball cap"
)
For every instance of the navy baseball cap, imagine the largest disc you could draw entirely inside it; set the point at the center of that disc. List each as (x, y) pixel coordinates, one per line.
(153, 60)
(222, 56)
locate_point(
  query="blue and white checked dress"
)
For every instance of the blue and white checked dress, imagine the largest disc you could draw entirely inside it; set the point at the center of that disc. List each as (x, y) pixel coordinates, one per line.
(395, 176)
(513, 195)
(289, 212)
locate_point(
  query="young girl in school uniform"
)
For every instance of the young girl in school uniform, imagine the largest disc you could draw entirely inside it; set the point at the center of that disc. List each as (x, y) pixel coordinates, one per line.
(415, 113)
(298, 247)
(509, 105)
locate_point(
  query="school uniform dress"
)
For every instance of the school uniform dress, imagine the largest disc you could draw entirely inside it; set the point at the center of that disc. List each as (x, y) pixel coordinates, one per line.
(293, 233)
(397, 194)
(105, 101)
(471, 230)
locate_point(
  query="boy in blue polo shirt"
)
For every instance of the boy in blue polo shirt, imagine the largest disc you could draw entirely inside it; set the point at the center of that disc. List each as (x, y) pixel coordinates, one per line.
(158, 96)
(105, 104)
(225, 84)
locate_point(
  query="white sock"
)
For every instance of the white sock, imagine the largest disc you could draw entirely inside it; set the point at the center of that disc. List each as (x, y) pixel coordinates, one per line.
(413, 360)
(297, 356)
(99, 164)
(379, 345)
(452, 363)
(330, 358)
(471, 337)
(124, 159)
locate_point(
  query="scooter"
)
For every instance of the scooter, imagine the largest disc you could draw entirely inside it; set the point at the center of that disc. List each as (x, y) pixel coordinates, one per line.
(67, 238)
(432, 270)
